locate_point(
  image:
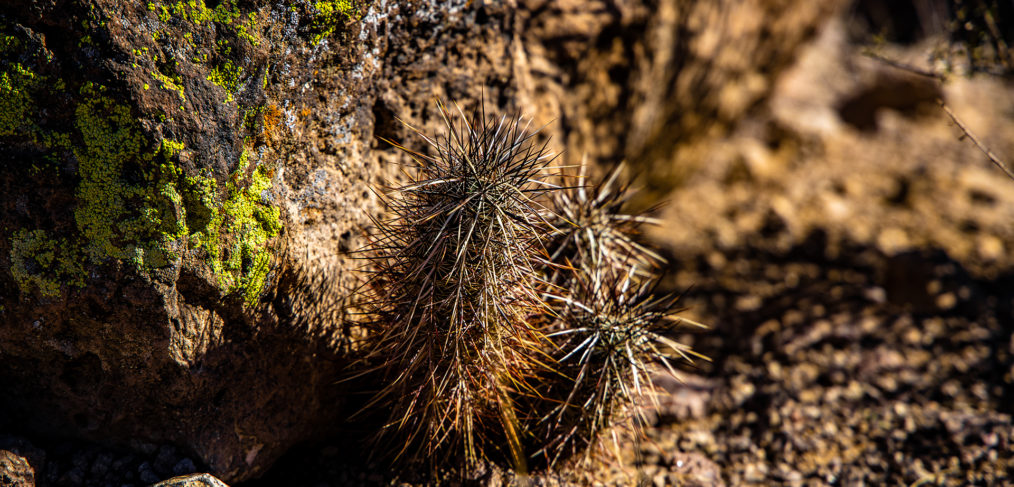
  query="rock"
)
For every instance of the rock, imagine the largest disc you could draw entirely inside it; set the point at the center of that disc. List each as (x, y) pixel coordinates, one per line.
(193, 480)
(184, 183)
(15, 470)
(146, 474)
(695, 469)
(184, 467)
(147, 262)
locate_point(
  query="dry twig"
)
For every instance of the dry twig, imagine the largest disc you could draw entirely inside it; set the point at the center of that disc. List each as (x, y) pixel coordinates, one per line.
(975, 140)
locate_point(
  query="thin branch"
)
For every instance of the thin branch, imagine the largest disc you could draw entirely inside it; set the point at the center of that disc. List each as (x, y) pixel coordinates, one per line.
(954, 118)
(975, 140)
(902, 66)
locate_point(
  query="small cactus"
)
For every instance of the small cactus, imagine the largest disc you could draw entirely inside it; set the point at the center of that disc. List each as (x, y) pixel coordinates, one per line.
(456, 280)
(509, 317)
(610, 329)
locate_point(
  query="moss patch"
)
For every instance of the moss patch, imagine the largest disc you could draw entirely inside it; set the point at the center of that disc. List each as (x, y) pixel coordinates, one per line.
(151, 223)
(135, 204)
(170, 83)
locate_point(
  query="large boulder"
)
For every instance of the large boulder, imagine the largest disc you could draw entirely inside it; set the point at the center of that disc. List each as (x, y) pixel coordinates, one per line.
(184, 183)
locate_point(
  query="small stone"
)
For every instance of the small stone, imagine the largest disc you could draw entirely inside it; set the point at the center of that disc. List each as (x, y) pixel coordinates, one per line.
(74, 476)
(147, 448)
(184, 467)
(15, 470)
(893, 241)
(755, 472)
(101, 465)
(80, 460)
(794, 478)
(165, 460)
(123, 463)
(146, 474)
(876, 294)
(990, 247)
(946, 301)
(659, 480)
(192, 480)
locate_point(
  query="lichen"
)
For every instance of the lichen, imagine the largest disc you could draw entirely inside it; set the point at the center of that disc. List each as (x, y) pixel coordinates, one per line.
(196, 11)
(118, 219)
(15, 102)
(191, 10)
(234, 234)
(233, 230)
(227, 18)
(20, 86)
(170, 83)
(254, 221)
(134, 203)
(226, 76)
(40, 263)
(246, 30)
(329, 16)
(272, 120)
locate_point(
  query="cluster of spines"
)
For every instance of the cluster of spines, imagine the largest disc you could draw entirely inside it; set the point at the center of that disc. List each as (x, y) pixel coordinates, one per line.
(610, 329)
(506, 309)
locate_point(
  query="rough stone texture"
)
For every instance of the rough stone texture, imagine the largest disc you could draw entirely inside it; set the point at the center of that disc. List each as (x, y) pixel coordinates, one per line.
(15, 470)
(651, 82)
(184, 181)
(194, 480)
(161, 162)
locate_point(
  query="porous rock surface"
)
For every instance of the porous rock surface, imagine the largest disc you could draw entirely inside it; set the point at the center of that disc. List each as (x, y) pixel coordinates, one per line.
(184, 182)
(15, 471)
(193, 480)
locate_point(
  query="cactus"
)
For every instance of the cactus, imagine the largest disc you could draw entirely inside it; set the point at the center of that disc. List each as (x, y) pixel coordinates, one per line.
(508, 316)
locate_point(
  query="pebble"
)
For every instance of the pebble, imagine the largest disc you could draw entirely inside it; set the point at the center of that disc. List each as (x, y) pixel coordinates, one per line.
(755, 472)
(185, 466)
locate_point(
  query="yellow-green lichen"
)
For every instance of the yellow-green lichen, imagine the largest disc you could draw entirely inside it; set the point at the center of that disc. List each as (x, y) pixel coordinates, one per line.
(134, 204)
(170, 83)
(250, 118)
(151, 223)
(128, 205)
(226, 76)
(196, 11)
(16, 104)
(20, 87)
(254, 222)
(232, 27)
(234, 234)
(331, 15)
(9, 42)
(192, 10)
(39, 264)
(245, 30)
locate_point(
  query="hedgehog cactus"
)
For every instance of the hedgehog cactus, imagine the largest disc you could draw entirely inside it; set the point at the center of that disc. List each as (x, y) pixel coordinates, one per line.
(506, 309)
